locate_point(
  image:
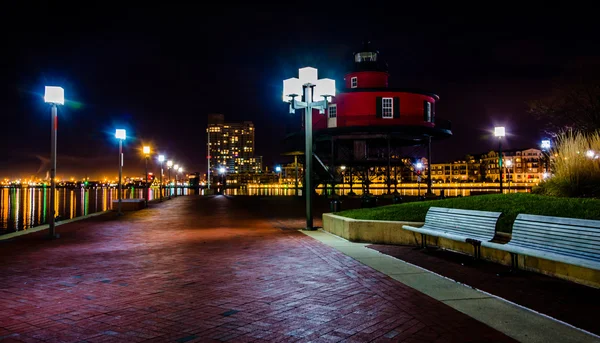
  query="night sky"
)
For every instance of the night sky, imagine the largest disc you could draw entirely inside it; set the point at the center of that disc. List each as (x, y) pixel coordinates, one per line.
(159, 71)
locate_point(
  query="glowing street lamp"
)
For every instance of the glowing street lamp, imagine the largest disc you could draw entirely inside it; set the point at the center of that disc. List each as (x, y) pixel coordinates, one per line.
(146, 151)
(169, 166)
(278, 171)
(120, 134)
(315, 96)
(546, 145)
(54, 96)
(500, 132)
(590, 154)
(419, 168)
(161, 160)
(223, 178)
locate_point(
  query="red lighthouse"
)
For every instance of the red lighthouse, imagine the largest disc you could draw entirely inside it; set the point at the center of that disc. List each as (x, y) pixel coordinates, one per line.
(367, 102)
(368, 124)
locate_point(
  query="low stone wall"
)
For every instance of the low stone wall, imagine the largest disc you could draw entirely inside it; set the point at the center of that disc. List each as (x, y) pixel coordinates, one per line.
(391, 232)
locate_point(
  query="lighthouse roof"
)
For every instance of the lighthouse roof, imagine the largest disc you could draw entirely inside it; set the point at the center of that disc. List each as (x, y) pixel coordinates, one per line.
(368, 59)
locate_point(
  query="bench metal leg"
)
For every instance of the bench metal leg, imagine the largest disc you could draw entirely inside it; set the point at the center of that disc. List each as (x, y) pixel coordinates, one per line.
(423, 241)
(477, 250)
(514, 262)
(514, 266)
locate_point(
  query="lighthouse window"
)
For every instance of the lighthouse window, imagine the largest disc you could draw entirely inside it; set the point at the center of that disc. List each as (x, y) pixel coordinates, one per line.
(427, 111)
(332, 111)
(354, 82)
(387, 108)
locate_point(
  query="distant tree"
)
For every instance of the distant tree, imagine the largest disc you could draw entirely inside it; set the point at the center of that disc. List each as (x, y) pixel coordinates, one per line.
(574, 103)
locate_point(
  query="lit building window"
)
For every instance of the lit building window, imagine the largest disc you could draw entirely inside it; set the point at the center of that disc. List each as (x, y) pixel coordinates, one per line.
(354, 82)
(387, 108)
(332, 111)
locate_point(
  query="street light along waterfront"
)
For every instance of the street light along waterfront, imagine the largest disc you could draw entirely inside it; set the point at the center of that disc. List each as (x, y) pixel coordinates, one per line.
(500, 132)
(146, 151)
(120, 134)
(313, 88)
(161, 159)
(54, 96)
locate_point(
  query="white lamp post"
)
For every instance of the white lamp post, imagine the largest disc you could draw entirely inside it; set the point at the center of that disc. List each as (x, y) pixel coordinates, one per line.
(546, 145)
(146, 151)
(508, 166)
(278, 171)
(419, 167)
(315, 96)
(54, 96)
(161, 160)
(500, 132)
(176, 170)
(223, 181)
(169, 166)
(120, 134)
(180, 170)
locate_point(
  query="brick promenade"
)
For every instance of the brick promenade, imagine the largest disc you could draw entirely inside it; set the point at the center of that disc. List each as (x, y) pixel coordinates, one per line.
(198, 269)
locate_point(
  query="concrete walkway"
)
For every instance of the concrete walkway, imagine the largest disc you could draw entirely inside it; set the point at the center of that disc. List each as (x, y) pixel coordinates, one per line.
(196, 269)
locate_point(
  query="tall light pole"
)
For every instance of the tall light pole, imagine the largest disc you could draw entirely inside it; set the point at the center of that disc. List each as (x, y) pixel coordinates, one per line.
(175, 169)
(161, 160)
(508, 165)
(169, 165)
(278, 171)
(500, 132)
(54, 96)
(546, 145)
(208, 156)
(223, 178)
(146, 150)
(180, 170)
(313, 89)
(419, 167)
(120, 134)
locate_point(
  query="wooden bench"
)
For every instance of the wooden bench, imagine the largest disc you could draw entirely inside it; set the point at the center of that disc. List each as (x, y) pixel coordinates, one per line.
(468, 226)
(568, 240)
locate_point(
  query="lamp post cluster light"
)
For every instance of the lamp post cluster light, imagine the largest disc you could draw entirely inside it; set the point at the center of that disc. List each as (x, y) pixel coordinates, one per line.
(314, 93)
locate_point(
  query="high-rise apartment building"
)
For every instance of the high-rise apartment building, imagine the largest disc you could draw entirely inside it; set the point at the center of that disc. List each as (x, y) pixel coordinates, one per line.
(231, 145)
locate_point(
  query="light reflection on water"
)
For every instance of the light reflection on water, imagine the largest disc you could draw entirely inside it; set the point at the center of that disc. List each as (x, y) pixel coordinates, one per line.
(23, 208)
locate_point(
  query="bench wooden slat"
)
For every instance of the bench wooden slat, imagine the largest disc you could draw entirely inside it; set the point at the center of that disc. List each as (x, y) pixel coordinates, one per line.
(589, 233)
(567, 251)
(560, 239)
(458, 224)
(570, 240)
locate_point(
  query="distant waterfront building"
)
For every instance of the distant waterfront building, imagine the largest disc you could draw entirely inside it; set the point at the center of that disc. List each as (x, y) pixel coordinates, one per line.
(525, 166)
(231, 145)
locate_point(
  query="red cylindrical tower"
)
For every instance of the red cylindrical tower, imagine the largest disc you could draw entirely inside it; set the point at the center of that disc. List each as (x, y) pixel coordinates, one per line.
(369, 71)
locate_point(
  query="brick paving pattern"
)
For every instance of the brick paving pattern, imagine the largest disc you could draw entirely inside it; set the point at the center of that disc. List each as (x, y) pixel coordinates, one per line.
(199, 269)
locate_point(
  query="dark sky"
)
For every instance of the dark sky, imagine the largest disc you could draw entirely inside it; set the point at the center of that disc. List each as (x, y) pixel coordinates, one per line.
(158, 72)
